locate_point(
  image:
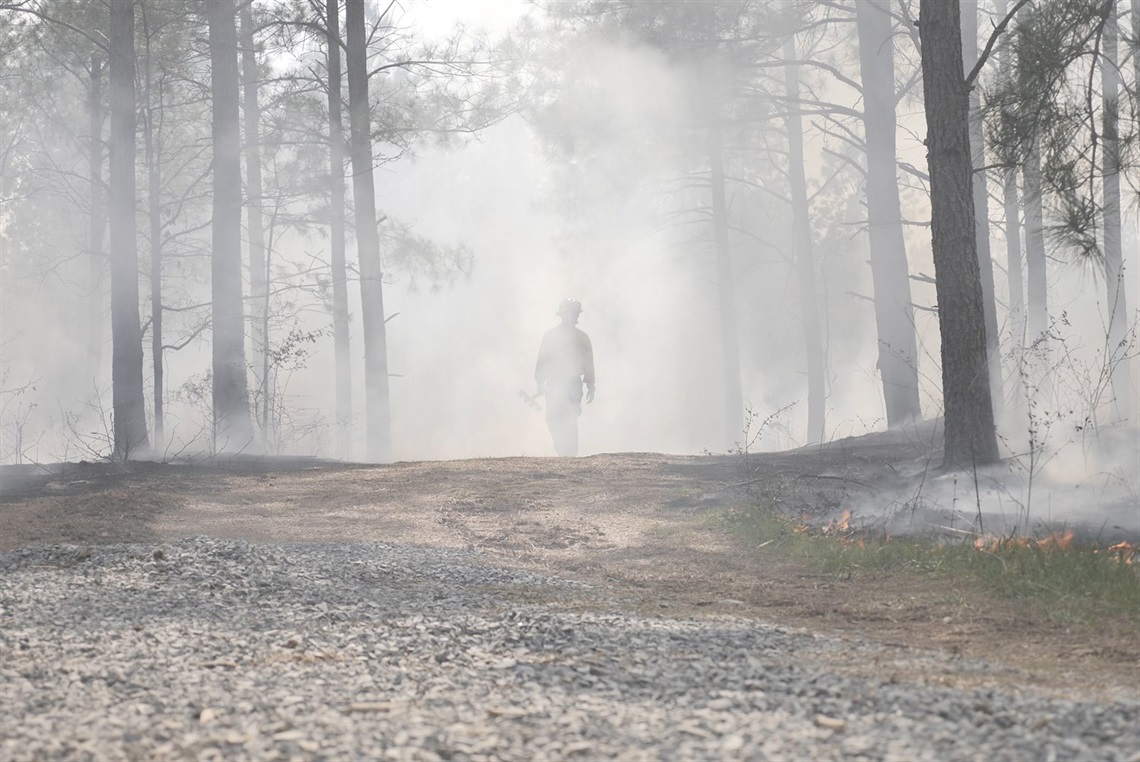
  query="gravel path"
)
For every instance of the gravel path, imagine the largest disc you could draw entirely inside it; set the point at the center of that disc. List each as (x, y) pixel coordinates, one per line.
(207, 649)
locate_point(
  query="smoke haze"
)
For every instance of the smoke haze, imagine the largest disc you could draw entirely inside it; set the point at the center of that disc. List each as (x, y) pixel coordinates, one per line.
(591, 196)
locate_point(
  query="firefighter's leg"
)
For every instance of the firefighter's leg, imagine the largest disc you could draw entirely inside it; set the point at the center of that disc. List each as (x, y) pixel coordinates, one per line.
(567, 447)
(562, 420)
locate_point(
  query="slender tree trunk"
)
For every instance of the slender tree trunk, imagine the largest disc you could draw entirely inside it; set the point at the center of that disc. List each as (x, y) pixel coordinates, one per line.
(152, 153)
(1036, 270)
(969, 32)
(1035, 259)
(970, 437)
(805, 262)
(376, 400)
(130, 431)
(257, 279)
(263, 316)
(1012, 206)
(894, 310)
(97, 221)
(1113, 254)
(1136, 41)
(232, 430)
(337, 235)
(156, 336)
(726, 297)
(1011, 203)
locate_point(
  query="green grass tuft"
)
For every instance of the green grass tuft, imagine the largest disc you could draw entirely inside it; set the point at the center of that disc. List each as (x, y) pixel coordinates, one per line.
(1077, 583)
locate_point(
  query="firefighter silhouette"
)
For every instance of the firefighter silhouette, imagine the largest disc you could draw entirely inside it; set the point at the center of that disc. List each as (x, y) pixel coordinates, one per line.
(565, 364)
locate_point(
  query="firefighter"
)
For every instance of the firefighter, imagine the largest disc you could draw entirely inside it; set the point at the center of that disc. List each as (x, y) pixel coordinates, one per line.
(565, 363)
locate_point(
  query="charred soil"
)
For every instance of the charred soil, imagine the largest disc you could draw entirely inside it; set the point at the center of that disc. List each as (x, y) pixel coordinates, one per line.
(644, 527)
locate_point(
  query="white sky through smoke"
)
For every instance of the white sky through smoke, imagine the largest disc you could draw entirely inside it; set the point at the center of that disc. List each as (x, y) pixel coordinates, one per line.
(438, 17)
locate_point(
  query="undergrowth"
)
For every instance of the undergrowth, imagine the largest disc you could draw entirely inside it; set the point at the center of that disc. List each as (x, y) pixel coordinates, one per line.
(1065, 580)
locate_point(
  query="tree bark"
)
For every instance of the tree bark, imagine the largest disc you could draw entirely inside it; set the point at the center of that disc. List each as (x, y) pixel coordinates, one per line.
(1113, 254)
(341, 329)
(970, 437)
(1013, 265)
(232, 430)
(1037, 289)
(969, 32)
(259, 341)
(97, 220)
(894, 310)
(805, 263)
(154, 174)
(152, 154)
(726, 298)
(1012, 207)
(376, 397)
(1011, 204)
(130, 431)
(1136, 42)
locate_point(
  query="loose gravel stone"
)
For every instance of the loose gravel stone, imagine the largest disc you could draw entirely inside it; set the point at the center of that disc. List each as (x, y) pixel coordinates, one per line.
(206, 649)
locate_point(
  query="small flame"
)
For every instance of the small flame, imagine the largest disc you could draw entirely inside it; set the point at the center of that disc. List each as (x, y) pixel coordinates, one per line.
(1125, 551)
(1058, 540)
(840, 526)
(844, 521)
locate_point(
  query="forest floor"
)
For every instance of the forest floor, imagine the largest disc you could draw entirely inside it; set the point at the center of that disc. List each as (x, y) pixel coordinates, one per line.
(646, 526)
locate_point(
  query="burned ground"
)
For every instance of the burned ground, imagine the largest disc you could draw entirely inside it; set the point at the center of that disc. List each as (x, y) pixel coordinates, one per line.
(647, 526)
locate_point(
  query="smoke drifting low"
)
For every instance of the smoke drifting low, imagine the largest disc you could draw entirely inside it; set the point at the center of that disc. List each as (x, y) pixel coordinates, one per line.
(597, 216)
(1087, 483)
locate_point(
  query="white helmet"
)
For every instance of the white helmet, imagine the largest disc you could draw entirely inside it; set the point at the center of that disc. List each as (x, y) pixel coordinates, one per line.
(569, 307)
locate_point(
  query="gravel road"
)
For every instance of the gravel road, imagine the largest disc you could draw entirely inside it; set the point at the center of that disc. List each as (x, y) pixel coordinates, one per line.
(206, 649)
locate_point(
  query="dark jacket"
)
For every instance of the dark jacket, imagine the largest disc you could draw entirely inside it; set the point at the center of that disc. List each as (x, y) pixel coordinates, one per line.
(565, 357)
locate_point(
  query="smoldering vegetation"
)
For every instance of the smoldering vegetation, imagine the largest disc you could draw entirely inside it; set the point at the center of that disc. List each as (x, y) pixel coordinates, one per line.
(706, 177)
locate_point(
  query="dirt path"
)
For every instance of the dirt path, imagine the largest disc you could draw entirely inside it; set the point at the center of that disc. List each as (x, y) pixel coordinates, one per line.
(636, 523)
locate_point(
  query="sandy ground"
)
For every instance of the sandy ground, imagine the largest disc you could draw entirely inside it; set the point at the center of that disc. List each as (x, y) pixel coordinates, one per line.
(640, 524)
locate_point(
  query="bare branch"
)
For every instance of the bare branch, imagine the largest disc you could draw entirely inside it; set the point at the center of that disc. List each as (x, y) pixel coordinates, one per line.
(998, 30)
(24, 8)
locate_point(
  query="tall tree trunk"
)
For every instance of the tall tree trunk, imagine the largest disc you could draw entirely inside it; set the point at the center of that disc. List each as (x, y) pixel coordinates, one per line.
(1136, 42)
(232, 430)
(97, 220)
(337, 235)
(805, 262)
(1012, 206)
(894, 311)
(153, 153)
(1036, 263)
(726, 297)
(262, 307)
(259, 341)
(970, 437)
(1011, 203)
(1113, 255)
(154, 174)
(969, 32)
(130, 431)
(376, 401)
(1037, 281)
